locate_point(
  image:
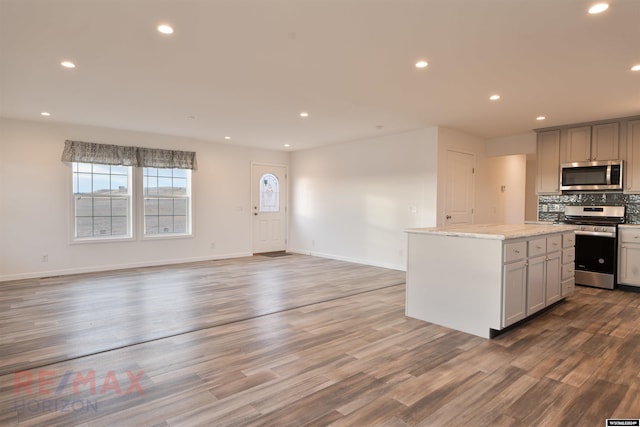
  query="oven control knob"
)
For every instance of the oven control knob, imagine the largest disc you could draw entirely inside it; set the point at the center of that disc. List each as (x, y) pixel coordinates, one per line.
(583, 228)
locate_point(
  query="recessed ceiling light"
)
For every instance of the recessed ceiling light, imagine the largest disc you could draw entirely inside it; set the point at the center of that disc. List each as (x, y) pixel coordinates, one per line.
(421, 64)
(304, 114)
(598, 8)
(227, 137)
(45, 114)
(540, 118)
(494, 97)
(287, 145)
(68, 64)
(635, 68)
(165, 29)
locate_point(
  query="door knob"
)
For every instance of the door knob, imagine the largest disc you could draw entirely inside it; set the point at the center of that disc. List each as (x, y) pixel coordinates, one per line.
(448, 216)
(255, 213)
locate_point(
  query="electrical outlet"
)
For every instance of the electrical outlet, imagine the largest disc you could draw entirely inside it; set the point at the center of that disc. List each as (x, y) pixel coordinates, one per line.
(213, 245)
(44, 258)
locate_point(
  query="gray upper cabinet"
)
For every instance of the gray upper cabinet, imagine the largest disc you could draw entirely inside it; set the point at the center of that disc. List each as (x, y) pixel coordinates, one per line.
(590, 143)
(548, 162)
(632, 166)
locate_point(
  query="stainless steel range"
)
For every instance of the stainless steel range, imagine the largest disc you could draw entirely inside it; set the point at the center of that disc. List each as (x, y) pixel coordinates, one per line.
(596, 243)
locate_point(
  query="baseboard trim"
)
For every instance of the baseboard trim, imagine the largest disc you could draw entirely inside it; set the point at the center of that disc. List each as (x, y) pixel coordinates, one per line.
(96, 269)
(348, 259)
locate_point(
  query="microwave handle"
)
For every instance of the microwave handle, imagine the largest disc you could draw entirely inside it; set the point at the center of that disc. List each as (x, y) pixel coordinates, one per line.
(608, 174)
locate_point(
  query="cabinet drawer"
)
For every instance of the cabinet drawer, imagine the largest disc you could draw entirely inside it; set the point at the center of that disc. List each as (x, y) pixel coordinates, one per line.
(537, 247)
(515, 251)
(568, 255)
(568, 286)
(554, 243)
(568, 240)
(568, 271)
(630, 235)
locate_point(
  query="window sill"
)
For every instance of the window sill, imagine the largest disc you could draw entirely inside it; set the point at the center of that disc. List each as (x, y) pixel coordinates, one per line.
(167, 237)
(75, 241)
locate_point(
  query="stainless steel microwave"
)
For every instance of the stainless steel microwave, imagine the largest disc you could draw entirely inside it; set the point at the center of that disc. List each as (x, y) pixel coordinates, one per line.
(591, 176)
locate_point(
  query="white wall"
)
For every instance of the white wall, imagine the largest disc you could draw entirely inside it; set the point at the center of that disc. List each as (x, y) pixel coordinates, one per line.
(524, 143)
(352, 201)
(35, 200)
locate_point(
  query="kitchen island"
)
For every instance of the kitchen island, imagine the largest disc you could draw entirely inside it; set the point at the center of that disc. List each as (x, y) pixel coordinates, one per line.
(483, 278)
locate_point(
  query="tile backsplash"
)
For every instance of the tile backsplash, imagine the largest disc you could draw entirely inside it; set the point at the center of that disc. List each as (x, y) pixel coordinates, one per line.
(551, 208)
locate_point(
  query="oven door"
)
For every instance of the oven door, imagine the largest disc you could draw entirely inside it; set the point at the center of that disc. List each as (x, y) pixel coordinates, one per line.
(595, 260)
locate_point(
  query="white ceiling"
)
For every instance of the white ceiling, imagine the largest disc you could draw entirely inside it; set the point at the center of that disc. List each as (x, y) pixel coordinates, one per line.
(247, 68)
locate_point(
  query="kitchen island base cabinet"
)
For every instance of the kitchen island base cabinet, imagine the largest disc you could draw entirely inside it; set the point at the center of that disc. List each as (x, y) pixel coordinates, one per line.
(482, 285)
(629, 255)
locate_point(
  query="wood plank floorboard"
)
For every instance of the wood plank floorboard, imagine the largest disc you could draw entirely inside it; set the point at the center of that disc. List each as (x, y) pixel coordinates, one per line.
(43, 321)
(350, 360)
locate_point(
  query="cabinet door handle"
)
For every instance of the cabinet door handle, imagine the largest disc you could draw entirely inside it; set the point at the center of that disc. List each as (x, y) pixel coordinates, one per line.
(516, 251)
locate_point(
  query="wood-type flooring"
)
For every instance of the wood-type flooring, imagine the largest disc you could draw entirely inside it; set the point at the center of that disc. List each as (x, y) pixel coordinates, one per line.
(352, 360)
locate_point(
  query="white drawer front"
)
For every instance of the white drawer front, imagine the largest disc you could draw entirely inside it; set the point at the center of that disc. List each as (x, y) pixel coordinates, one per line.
(630, 235)
(537, 247)
(568, 239)
(515, 251)
(568, 255)
(568, 271)
(554, 243)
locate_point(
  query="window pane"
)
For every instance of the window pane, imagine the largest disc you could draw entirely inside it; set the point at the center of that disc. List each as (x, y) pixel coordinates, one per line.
(180, 173)
(82, 184)
(84, 206)
(101, 184)
(269, 193)
(151, 186)
(166, 200)
(179, 186)
(166, 224)
(101, 226)
(83, 167)
(180, 206)
(165, 172)
(84, 227)
(164, 186)
(119, 184)
(108, 213)
(102, 207)
(119, 207)
(119, 226)
(104, 169)
(165, 206)
(179, 224)
(151, 224)
(150, 206)
(120, 170)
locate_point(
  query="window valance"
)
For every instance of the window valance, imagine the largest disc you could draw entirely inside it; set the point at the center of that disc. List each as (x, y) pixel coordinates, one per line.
(107, 154)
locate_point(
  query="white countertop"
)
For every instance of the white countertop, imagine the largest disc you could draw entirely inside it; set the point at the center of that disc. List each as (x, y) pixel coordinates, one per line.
(494, 231)
(629, 225)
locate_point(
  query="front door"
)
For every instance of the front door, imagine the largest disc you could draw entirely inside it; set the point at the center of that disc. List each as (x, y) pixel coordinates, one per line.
(459, 188)
(269, 207)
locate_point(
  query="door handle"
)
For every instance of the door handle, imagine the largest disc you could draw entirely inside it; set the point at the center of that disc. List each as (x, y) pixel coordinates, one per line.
(255, 213)
(448, 216)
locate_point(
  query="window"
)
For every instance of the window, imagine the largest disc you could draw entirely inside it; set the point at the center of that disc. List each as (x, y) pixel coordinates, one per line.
(102, 201)
(167, 201)
(269, 193)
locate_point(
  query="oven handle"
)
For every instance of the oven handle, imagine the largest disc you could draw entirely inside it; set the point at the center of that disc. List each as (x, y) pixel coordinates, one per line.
(609, 234)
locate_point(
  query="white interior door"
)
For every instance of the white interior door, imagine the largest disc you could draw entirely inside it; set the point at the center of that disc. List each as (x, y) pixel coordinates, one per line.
(269, 207)
(459, 188)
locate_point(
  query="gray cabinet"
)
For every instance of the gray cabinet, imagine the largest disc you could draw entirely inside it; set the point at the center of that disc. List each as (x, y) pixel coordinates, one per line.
(629, 256)
(632, 166)
(590, 143)
(548, 159)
